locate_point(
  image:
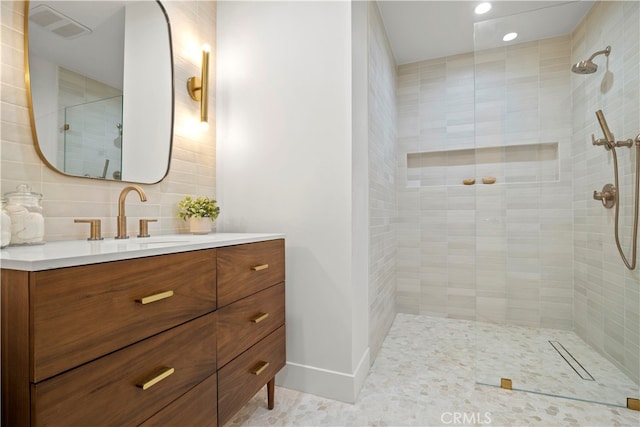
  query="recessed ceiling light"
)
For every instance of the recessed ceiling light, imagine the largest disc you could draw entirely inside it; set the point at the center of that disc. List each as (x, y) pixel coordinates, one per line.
(510, 36)
(482, 8)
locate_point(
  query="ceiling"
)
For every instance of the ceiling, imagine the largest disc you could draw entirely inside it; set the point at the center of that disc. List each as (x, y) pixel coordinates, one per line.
(419, 30)
(98, 54)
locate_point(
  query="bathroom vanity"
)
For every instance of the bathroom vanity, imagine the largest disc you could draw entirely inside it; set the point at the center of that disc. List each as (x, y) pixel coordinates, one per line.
(170, 330)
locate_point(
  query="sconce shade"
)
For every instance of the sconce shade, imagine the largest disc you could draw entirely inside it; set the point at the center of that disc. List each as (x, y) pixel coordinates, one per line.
(198, 87)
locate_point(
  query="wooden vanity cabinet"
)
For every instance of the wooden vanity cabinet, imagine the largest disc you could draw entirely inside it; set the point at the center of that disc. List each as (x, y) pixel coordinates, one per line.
(251, 327)
(139, 341)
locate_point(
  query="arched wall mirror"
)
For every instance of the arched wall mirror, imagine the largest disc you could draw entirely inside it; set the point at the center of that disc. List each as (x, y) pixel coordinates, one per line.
(99, 78)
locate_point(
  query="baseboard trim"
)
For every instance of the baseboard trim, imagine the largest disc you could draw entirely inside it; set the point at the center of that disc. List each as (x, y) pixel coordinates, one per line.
(324, 382)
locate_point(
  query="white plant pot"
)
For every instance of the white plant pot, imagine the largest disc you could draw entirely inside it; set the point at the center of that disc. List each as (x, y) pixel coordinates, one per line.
(200, 225)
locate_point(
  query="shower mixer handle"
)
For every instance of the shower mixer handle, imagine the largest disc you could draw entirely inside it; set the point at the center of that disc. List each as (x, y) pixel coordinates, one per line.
(607, 196)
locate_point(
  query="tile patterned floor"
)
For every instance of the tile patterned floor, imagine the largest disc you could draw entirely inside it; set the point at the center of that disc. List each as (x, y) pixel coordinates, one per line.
(526, 356)
(425, 375)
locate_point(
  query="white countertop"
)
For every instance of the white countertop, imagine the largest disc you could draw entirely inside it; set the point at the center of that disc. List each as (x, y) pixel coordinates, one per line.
(81, 252)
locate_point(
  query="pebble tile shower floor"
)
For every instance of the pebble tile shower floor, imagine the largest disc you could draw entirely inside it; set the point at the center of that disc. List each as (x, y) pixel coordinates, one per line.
(527, 356)
(425, 375)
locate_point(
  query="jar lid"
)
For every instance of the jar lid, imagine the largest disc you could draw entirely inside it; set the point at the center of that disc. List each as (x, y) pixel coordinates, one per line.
(23, 190)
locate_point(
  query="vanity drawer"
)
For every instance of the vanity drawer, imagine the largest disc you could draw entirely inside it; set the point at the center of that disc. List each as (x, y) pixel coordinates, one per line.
(198, 407)
(81, 313)
(108, 391)
(246, 269)
(245, 322)
(238, 381)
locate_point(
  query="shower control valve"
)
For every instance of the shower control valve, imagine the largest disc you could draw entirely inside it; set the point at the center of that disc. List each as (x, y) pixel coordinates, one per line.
(607, 196)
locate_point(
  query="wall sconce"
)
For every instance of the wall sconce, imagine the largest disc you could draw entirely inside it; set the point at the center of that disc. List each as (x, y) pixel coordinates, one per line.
(198, 87)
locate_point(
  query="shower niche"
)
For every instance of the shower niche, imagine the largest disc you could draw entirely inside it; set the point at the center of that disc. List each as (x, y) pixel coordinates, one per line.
(508, 164)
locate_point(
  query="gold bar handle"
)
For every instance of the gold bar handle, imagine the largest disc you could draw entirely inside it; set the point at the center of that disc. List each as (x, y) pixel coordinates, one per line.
(259, 368)
(259, 317)
(156, 379)
(154, 298)
(260, 267)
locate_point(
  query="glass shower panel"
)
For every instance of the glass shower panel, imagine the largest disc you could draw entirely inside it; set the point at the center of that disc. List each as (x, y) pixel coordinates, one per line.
(542, 276)
(435, 230)
(93, 138)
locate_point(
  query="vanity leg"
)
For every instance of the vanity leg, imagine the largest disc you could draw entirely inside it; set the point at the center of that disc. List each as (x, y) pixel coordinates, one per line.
(270, 392)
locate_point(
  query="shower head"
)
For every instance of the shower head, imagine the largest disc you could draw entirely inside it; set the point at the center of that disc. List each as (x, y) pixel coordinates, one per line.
(584, 67)
(588, 66)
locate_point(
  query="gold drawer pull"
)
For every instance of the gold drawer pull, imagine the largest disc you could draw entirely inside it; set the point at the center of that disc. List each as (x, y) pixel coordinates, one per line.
(260, 267)
(154, 298)
(156, 379)
(259, 318)
(259, 368)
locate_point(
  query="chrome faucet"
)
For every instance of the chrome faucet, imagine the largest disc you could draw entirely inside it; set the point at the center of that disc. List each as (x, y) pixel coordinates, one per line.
(122, 218)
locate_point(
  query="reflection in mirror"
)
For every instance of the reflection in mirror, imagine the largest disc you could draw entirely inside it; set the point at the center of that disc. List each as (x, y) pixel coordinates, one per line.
(100, 79)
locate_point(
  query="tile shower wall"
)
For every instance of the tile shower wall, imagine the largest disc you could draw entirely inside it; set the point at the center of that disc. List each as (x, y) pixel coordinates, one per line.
(65, 198)
(607, 294)
(382, 196)
(435, 110)
(92, 110)
(498, 252)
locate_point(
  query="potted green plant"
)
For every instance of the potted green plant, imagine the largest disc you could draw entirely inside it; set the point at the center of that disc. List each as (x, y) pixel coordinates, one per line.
(200, 212)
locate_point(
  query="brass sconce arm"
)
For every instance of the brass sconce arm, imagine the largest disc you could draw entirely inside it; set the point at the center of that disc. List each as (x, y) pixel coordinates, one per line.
(198, 87)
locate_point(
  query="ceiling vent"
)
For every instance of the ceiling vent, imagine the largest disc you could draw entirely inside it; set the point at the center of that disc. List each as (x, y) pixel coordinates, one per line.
(56, 22)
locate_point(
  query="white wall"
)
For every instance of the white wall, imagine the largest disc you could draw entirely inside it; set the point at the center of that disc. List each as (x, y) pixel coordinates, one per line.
(284, 163)
(360, 187)
(146, 108)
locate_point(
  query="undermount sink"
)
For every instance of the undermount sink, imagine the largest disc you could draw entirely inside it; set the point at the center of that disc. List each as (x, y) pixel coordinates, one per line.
(141, 242)
(158, 241)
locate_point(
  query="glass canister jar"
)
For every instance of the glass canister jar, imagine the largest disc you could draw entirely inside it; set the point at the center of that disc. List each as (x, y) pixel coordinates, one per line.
(27, 216)
(5, 226)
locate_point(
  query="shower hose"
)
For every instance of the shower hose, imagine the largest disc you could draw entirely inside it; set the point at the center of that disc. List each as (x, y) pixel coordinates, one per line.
(634, 240)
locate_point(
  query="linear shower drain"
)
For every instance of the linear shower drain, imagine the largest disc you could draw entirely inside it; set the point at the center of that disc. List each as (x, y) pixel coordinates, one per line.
(571, 361)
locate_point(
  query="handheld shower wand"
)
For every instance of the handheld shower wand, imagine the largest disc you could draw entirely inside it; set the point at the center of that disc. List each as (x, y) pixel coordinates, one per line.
(609, 141)
(605, 129)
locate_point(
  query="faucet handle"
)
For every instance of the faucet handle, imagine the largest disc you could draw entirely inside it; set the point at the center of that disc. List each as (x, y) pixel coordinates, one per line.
(608, 196)
(95, 232)
(144, 227)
